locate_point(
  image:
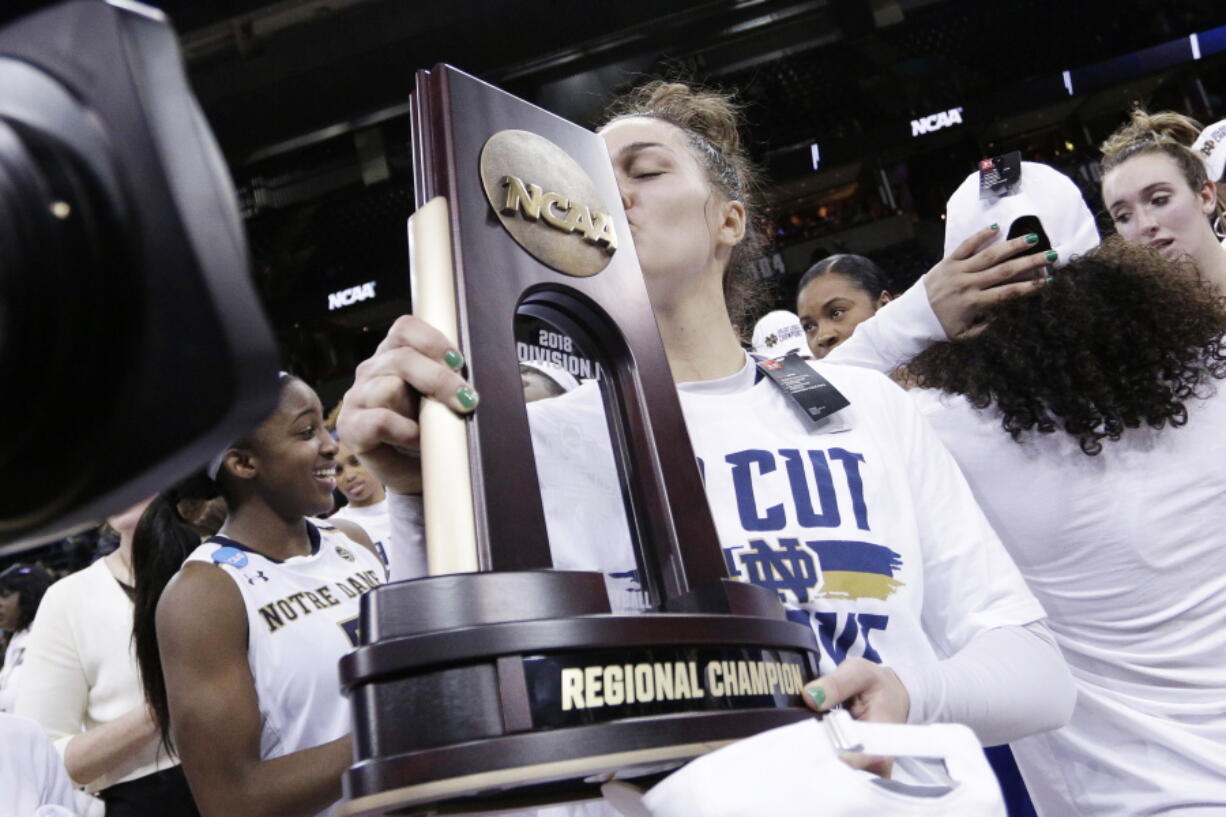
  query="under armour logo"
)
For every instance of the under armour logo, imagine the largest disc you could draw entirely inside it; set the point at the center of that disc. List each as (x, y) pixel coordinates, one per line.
(1208, 147)
(259, 574)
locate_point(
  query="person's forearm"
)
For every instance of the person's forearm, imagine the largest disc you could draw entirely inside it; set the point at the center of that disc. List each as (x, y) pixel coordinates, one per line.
(109, 747)
(898, 332)
(295, 785)
(1006, 684)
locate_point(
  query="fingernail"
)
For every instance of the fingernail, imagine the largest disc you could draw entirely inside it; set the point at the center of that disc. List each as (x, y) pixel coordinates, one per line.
(818, 695)
(454, 359)
(1051, 256)
(1033, 238)
(467, 396)
(994, 227)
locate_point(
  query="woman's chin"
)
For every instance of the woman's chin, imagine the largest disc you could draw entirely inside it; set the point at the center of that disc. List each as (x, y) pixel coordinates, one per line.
(320, 506)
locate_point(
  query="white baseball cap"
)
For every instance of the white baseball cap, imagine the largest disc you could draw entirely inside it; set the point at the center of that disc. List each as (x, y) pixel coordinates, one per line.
(1211, 148)
(1043, 192)
(778, 333)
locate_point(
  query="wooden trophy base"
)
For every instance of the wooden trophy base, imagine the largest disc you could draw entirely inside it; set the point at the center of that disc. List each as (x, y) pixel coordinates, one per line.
(490, 691)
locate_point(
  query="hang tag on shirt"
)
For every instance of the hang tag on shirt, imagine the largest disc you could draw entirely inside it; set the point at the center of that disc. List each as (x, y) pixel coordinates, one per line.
(1000, 176)
(815, 395)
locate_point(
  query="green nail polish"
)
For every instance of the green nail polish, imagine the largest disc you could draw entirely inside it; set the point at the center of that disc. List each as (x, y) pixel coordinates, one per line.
(467, 396)
(453, 359)
(1033, 238)
(1051, 256)
(994, 227)
(818, 695)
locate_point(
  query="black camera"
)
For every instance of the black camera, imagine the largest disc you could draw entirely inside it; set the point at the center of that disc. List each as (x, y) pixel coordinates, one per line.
(132, 344)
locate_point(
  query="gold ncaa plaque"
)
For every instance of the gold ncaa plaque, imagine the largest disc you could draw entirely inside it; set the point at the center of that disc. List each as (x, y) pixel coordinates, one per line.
(547, 202)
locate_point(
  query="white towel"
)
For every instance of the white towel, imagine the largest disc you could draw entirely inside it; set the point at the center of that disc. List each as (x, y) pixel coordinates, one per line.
(797, 770)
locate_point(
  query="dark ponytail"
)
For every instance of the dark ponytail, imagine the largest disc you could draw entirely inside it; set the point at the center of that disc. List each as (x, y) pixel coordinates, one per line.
(161, 543)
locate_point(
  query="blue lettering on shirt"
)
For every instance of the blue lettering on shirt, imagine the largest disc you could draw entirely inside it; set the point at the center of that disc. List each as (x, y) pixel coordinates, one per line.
(751, 464)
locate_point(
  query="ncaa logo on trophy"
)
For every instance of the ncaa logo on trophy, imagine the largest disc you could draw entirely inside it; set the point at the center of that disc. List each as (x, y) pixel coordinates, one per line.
(533, 184)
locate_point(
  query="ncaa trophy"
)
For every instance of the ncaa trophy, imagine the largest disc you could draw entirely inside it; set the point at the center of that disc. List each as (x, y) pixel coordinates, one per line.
(498, 682)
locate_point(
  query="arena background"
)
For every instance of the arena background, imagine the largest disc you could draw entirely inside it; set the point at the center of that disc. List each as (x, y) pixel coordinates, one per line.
(865, 115)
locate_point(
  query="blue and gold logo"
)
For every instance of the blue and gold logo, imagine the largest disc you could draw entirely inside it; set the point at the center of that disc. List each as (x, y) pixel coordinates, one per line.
(826, 568)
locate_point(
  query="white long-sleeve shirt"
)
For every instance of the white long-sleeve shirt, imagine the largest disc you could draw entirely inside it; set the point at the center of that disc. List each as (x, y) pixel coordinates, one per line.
(10, 673)
(32, 775)
(899, 331)
(80, 667)
(405, 557)
(1126, 550)
(866, 530)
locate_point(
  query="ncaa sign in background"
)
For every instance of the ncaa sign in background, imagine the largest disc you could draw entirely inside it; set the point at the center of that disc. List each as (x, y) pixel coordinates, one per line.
(351, 295)
(323, 301)
(936, 121)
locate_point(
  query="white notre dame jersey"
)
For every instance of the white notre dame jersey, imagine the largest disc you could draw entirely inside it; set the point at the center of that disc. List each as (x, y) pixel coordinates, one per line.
(302, 616)
(864, 526)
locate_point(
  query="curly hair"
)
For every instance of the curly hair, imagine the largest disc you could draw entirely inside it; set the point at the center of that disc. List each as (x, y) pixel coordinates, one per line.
(711, 121)
(1119, 338)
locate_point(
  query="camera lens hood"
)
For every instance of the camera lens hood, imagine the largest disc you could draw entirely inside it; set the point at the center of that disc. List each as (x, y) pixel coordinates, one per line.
(132, 342)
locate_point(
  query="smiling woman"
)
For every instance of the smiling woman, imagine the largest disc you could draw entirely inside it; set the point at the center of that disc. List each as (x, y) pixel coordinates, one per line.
(249, 631)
